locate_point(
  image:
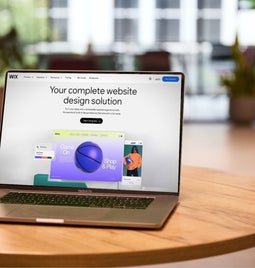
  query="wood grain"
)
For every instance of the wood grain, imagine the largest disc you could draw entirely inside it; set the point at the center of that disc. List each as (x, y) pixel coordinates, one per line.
(216, 215)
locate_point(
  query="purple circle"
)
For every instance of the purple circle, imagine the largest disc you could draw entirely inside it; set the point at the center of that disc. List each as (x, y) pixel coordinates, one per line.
(88, 157)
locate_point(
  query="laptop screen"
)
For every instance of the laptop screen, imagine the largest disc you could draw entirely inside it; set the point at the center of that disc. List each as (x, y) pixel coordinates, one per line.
(100, 130)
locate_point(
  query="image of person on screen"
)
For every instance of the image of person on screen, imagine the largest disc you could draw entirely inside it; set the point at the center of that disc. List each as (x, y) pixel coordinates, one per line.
(132, 162)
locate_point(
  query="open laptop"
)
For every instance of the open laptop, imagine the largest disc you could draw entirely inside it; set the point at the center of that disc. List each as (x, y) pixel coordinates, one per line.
(91, 148)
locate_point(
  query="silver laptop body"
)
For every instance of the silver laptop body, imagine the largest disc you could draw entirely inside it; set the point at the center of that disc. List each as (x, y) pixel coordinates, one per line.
(91, 134)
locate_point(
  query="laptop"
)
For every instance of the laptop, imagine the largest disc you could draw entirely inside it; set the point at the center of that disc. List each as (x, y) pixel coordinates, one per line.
(91, 148)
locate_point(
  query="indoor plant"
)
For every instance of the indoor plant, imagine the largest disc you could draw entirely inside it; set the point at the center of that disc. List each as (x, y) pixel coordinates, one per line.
(10, 53)
(240, 85)
(10, 57)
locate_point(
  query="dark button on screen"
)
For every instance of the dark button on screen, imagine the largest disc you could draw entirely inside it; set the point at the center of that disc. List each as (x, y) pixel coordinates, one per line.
(85, 120)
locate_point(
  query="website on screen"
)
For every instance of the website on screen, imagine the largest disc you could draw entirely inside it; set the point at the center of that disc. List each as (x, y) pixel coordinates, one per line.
(92, 130)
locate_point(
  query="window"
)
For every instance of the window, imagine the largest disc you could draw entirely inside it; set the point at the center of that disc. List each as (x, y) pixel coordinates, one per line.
(167, 21)
(167, 3)
(209, 21)
(126, 21)
(58, 18)
(167, 30)
(125, 30)
(58, 3)
(126, 4)
(208, 30)
(209, 4)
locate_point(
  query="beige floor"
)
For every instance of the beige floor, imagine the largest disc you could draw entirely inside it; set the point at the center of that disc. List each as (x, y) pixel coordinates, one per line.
(228, 148)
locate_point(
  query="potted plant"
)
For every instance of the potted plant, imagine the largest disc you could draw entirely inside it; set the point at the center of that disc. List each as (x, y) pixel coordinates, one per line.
(12, 56)
(240, 85)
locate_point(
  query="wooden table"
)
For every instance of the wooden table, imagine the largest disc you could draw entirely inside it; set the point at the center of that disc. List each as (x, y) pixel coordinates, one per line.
(216, 215)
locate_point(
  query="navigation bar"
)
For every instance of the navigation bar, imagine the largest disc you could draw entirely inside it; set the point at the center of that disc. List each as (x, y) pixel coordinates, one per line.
(92, 77)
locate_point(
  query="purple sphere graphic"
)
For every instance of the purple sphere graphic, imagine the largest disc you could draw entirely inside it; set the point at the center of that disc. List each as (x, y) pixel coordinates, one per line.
(88, 157)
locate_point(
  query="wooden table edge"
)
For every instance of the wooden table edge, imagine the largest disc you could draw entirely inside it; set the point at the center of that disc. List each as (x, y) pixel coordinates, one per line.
(148, 257)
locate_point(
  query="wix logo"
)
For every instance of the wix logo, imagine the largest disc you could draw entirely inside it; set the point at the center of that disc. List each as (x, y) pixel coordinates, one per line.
(13, 76)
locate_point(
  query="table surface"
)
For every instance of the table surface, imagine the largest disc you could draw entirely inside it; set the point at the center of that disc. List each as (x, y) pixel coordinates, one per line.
(216, 215)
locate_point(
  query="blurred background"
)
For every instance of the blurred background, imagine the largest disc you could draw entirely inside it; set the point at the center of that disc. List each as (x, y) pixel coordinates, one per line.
(193, 36)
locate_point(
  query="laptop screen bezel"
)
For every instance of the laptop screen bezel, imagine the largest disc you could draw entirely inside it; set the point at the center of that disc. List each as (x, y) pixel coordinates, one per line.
(90, 190)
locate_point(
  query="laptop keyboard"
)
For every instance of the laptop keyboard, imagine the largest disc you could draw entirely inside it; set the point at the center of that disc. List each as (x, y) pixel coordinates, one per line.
(76, 200)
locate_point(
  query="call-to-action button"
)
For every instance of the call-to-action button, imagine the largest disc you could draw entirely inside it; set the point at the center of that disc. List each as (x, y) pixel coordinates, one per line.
(170, 78)
(85, 120)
